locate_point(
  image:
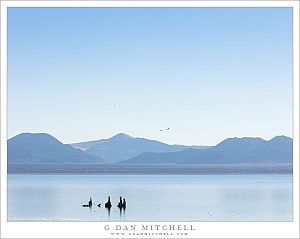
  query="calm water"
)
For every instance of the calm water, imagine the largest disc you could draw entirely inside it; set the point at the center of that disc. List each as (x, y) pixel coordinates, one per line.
(151, 197)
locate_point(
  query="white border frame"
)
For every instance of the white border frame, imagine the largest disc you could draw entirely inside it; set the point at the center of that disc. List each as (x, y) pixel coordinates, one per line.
(96, 229)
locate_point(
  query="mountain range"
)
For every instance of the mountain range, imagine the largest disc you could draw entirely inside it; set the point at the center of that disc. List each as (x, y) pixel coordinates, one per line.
(230, 151)
(124, 149)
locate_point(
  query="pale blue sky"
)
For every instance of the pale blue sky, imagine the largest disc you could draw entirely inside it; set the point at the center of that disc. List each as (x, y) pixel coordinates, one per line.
(207, 73)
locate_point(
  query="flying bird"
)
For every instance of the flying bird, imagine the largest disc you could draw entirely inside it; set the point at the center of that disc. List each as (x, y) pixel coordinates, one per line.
(164, 129)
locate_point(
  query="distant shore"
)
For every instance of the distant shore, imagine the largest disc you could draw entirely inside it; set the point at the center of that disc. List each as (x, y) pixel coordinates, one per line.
(117, 169)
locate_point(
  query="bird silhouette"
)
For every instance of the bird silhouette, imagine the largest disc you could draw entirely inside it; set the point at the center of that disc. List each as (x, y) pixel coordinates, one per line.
(120, 205)
(164, 129)
(124, 204)
(108, 203)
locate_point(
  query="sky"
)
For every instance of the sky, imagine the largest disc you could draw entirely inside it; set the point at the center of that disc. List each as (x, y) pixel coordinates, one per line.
(208, 74)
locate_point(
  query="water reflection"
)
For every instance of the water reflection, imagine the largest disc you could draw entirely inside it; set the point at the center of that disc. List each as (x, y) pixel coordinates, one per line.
(122, 211)
(108, 212)
(222, 198)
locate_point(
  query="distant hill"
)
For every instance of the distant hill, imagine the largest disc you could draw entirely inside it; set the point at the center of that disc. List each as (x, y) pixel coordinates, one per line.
(278, 150)
(122, 147)
(44, 148)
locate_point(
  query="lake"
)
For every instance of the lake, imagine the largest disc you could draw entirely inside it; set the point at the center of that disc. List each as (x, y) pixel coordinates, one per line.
(256, 197)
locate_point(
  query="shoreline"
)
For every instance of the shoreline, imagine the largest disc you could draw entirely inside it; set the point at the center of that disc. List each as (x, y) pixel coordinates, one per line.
(117, 169)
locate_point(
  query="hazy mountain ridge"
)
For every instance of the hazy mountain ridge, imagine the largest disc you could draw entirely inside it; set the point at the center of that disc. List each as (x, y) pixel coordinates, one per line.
(44, 148)
(230, 151)
(122, 147)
